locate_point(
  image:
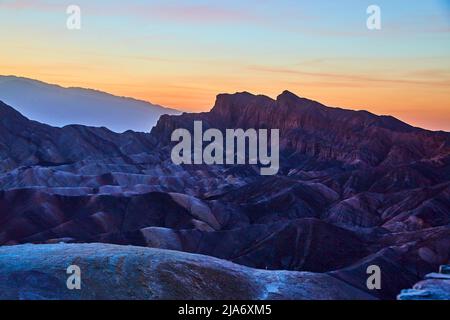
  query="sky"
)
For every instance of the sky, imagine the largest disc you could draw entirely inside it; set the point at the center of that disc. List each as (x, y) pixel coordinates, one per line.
(181, 54)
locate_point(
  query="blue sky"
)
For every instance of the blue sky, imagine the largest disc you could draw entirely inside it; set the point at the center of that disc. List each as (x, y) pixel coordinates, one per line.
(182, 53)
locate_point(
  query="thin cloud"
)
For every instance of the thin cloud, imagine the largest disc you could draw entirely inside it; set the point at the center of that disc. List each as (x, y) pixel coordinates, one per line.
(30, 4)
(200, 13)
(180, 13)
(349, 77)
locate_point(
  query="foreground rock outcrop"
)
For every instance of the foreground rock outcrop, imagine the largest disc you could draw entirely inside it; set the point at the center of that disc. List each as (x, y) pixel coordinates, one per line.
(126, 272)
(436, 286)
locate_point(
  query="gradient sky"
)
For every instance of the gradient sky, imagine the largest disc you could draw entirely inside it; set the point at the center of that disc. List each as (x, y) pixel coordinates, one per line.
(181, 54)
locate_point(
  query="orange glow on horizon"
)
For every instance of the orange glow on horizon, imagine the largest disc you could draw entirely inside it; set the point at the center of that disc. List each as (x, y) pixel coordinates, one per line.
(414, 104)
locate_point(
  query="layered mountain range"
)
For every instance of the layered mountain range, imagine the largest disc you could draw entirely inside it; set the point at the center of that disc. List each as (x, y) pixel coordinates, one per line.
(354, 189)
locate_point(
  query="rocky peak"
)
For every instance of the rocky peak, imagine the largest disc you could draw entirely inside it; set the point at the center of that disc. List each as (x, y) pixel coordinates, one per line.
(227, 104)
(313, 129)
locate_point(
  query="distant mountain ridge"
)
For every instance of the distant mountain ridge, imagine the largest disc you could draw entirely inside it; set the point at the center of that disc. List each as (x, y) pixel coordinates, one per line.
(310, 128)
(59, 106)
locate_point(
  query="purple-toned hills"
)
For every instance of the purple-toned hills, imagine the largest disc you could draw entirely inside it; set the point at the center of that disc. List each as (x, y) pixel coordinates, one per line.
(354, 189)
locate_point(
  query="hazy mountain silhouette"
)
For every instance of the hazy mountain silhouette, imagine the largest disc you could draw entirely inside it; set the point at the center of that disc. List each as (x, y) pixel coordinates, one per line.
(59, 106)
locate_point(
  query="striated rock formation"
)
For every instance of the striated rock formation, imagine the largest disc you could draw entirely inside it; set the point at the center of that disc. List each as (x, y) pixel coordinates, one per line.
(309, 128)
(354, 189)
